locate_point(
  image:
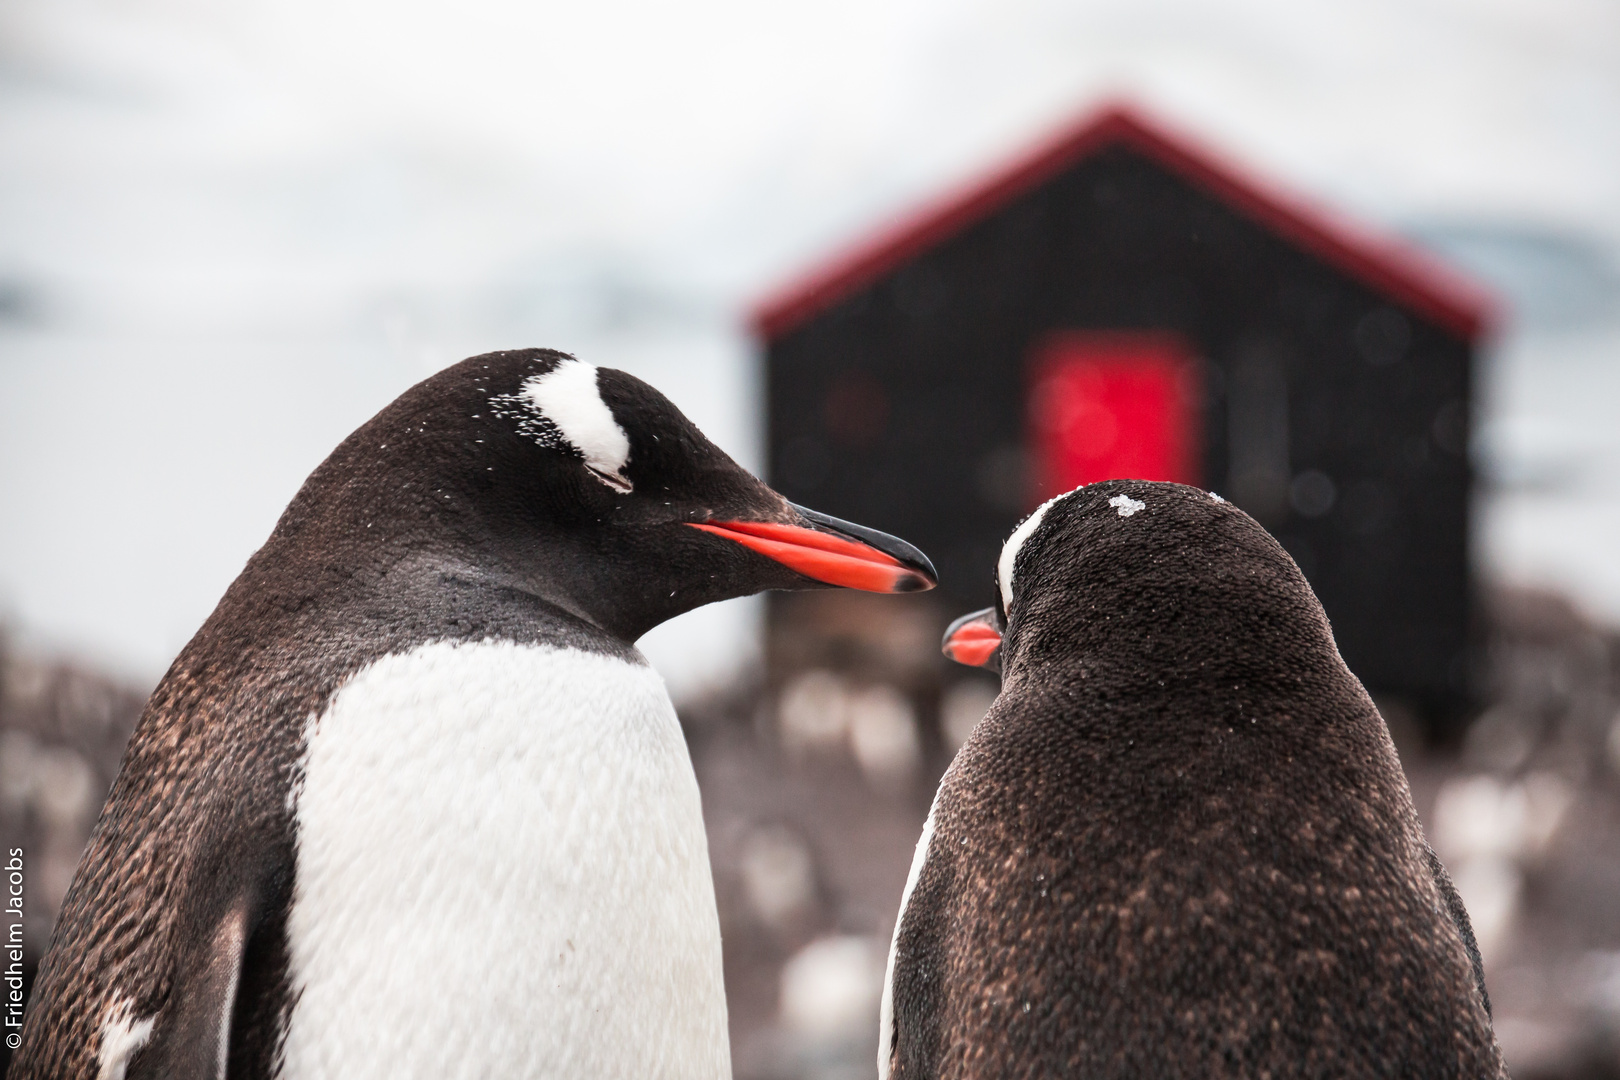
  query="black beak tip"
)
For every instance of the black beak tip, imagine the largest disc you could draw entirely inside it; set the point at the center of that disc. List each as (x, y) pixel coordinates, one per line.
(923, 575)
(917, 582)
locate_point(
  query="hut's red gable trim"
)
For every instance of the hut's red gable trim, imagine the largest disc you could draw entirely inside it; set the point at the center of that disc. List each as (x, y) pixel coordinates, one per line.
(1395, 269)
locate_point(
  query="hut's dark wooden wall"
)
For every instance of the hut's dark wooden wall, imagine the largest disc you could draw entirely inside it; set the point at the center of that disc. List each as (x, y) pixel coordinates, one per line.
(903, 405)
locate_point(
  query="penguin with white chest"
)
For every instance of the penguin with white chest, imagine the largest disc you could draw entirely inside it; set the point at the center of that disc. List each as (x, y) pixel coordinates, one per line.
(411, 803)
(1180, 843)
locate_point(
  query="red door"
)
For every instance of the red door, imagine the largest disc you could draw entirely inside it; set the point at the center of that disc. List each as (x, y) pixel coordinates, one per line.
(1113, 405)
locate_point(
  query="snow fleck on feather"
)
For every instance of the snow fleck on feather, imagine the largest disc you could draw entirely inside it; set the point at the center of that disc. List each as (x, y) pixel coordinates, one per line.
(1126, 505)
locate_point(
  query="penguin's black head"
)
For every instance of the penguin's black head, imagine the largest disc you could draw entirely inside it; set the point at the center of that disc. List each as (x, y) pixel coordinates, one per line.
(1133, 568)
(585, 487)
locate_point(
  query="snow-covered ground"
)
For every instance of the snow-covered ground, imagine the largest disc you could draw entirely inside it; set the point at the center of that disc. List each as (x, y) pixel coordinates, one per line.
(229, 234)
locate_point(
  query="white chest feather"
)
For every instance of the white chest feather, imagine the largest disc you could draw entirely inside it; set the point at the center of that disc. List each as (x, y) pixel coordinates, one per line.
(502, 872)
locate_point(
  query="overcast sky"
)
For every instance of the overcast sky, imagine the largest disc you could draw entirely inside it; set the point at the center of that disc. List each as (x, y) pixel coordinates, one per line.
(231, 232)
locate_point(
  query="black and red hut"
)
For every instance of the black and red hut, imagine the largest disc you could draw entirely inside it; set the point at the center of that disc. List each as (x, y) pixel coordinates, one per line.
(1121, 303)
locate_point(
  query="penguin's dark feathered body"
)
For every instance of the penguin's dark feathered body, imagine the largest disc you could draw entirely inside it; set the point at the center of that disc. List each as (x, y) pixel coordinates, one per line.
(1180, 844)
(411, 802)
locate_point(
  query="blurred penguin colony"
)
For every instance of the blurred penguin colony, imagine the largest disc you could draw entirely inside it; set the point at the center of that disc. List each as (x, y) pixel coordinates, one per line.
(1120, 303)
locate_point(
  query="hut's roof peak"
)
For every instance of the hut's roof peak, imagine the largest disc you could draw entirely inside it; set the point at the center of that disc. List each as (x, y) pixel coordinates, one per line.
(1384, 263)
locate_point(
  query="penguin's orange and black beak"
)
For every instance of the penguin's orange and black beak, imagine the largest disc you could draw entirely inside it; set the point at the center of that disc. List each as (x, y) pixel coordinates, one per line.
(975, 640)
(833, 552)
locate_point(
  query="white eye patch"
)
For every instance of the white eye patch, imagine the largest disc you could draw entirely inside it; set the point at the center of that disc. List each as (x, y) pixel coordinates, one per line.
(564, 408)
(1009, 551)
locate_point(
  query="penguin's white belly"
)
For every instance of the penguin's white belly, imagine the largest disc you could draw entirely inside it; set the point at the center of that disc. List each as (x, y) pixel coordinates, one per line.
(502, 872)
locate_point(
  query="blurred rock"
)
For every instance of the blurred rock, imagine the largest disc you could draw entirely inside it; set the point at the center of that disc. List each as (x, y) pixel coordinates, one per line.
(831, 986)
(883, 736)
(962, 707)
(1482, 815)
(831, 989)
(779, 877)
(62, 733)
(820, 713)
(814, 713)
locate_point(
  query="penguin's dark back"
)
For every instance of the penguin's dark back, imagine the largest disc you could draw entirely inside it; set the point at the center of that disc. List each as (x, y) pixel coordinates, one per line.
(1181, 843)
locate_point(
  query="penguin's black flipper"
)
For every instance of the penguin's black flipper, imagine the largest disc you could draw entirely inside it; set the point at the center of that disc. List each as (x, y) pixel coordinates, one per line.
(193, 1036)
(1459, 917)
(238, 877)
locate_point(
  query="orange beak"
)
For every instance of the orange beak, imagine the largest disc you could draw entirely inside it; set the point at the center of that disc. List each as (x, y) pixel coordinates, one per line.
(975, 640)
(837, 553)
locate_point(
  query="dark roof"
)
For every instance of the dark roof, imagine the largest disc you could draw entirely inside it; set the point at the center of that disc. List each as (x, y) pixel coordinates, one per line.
(1395, 269)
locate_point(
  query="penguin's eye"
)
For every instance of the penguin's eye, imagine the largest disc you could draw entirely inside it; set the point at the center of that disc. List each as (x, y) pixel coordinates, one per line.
(611, 479)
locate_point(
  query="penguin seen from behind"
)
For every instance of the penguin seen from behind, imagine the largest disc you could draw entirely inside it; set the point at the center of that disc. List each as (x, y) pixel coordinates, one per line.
(1180, 844)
